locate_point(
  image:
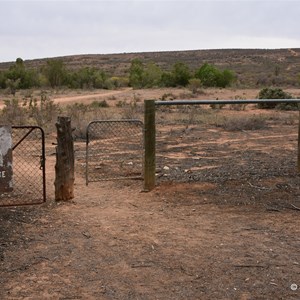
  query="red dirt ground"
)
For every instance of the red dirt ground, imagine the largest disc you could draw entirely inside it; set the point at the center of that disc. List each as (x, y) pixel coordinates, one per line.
(226, 226)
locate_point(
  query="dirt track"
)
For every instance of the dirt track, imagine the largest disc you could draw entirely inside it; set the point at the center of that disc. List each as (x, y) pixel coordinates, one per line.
(169, 244)
(85, 98)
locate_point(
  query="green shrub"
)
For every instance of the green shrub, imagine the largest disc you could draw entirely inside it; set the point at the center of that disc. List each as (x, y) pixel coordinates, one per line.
(136, 73)
(152, 75)
(167, 79)
(168, 96)
(97, 104)
(117, 82)
(195, 85)
(275, 93)
(55, 72)
(181, 74)
(210, 76)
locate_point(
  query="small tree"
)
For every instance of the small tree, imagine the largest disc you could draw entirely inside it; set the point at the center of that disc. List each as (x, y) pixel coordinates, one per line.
(55, 72)
(226, 78)
(167, 79)
(208, 75)
(17, 73)
(2, 80)
(136, 74)
(13, 85)
(152, 75)
(181, 74)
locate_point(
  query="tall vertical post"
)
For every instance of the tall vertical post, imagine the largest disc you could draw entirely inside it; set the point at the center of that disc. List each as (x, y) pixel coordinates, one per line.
(64, 168)
(298, 160)
(149, 144)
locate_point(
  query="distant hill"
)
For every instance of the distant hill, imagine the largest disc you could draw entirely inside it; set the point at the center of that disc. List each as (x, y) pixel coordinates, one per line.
(252, 66)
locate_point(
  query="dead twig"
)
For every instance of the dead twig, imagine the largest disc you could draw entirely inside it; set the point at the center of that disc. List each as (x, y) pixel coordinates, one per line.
(141, 265)
(294, 207)
(258, 187)
(272, 208)
(250, 266)
(86, 234)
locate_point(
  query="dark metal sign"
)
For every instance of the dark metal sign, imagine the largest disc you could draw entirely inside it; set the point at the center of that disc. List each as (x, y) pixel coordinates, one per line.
(6, 170)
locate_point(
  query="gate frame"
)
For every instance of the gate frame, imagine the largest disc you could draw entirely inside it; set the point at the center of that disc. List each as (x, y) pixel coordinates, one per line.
(88, 139)
(42, 161)
(150, 128)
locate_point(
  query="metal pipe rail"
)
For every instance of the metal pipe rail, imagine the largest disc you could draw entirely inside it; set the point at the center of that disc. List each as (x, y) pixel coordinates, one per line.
(239, 101)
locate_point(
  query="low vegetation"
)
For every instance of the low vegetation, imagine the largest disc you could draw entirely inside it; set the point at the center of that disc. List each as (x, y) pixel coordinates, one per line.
(141, 74)
(240, 123)
(54, 74)
(253, 68)
(276, 93)
(196, 70)
(33, 108)
(40, 111)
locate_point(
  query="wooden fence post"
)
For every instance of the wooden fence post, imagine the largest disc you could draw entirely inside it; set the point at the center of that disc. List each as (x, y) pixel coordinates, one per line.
(64, 168)
(149, 144)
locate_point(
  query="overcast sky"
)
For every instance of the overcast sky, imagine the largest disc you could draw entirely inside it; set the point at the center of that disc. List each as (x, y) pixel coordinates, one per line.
(39, 29)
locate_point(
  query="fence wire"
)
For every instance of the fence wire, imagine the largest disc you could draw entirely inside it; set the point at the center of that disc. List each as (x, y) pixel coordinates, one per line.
(217, 144)
(28, 167)
(114, 150)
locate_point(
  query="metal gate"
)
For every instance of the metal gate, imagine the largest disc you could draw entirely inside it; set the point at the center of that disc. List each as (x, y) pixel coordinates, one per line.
(28, 167)
(114, 150)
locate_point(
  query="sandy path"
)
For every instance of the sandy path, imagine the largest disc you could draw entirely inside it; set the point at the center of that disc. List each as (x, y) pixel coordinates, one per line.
(83, 98)
(80, 98)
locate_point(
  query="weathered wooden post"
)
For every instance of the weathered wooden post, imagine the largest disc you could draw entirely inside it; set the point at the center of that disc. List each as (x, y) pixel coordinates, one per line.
(64, 168)
(149, 143)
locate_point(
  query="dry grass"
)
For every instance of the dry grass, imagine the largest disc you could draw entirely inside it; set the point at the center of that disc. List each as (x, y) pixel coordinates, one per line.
(239, 123)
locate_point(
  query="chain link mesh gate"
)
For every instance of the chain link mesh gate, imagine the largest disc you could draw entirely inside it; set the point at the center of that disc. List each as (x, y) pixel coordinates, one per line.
(28, 152)
(114, 150)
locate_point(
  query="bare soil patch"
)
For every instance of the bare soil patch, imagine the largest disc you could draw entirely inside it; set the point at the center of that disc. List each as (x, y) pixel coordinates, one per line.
(222, 223)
